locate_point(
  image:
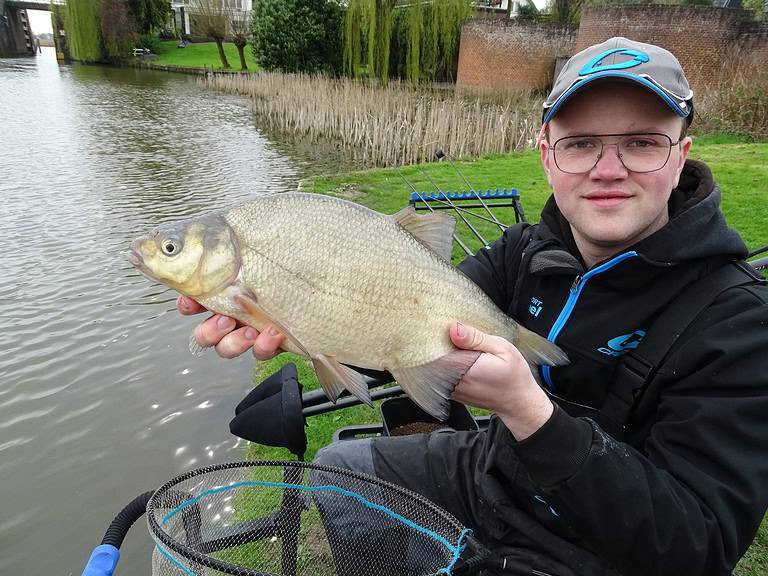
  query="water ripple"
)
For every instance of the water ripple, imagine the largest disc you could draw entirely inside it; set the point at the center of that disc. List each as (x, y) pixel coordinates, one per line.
(95, 370)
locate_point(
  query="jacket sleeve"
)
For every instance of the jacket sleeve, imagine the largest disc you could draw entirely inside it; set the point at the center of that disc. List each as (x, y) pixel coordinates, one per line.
(691, 501)
(494, 268)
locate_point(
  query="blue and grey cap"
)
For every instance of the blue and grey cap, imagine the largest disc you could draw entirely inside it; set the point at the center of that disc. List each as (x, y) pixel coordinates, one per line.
(619, 58)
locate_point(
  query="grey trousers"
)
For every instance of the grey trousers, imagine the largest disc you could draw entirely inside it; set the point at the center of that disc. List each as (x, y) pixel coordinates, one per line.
(451, 469)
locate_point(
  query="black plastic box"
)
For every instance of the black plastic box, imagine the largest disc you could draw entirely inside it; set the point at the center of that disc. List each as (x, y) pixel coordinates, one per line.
(402, 411)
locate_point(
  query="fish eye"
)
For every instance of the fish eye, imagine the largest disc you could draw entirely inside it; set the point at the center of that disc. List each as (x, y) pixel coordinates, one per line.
(171, 246)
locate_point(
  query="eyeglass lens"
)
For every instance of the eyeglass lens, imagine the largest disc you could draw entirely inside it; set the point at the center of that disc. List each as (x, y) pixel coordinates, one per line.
(638, 152)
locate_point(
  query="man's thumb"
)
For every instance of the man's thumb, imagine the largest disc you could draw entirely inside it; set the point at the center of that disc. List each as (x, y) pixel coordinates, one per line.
(470, 338)
(466, 337)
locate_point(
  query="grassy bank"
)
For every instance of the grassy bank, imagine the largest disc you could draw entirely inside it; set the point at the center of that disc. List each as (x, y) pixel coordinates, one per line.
(201, 55)
(741, 169)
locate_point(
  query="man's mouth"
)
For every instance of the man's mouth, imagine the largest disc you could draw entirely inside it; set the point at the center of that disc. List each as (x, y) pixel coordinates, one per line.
(607, 199)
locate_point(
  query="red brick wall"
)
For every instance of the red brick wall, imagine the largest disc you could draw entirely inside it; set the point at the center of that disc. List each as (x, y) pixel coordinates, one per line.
(501, 53)
(497, 53)
(704, 38)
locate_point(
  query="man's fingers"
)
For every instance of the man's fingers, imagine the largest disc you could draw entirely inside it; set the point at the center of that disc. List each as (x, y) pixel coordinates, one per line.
(236, 342)
(469, 338)
(210, 332)
(267, 343)
(187, 306)
(230, 340)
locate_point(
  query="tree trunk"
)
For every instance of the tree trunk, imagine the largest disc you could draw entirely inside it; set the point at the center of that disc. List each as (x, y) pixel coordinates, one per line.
(241, 52)
(222, 56)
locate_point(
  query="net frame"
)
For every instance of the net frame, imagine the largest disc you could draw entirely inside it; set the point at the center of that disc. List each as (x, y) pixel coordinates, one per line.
(159, 501)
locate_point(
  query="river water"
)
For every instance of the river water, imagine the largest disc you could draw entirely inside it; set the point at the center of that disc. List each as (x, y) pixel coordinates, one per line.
(100, 399)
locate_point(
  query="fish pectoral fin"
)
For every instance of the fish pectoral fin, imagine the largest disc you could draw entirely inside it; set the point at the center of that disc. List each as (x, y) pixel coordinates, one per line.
(246, 301)
(435, 229)
(335, 377)
(430, 385)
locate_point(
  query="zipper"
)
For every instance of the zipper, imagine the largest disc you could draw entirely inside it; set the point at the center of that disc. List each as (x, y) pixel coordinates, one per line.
(575, 291)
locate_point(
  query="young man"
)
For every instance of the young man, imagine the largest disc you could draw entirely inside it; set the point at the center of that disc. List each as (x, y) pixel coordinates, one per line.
(681, 487)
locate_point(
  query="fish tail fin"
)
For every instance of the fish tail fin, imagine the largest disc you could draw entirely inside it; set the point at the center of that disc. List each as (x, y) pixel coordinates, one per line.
(430, 385)
(538, 350)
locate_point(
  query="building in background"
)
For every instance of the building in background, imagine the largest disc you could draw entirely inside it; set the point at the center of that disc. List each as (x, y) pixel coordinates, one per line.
(182, 10)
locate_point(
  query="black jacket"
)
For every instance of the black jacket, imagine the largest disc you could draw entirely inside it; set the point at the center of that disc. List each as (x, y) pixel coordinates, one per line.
(685, 490)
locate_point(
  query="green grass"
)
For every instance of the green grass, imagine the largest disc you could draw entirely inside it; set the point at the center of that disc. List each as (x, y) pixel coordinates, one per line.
(202, 54)
(740, 168)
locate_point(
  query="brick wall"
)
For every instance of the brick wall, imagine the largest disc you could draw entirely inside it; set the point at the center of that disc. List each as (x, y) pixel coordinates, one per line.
(704, 38)
(496, 53)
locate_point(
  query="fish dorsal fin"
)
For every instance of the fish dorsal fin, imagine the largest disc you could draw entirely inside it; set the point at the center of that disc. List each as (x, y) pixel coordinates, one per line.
(430, 385)
(435, 229)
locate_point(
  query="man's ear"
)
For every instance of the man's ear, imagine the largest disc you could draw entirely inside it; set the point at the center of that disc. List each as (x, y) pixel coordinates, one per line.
(685, 147)
(546, 160)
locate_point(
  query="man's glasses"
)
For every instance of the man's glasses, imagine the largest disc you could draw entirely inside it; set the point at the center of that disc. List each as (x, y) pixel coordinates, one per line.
(637, 152)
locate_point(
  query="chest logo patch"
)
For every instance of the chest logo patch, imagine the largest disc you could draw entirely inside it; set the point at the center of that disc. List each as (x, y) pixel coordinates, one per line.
(535, 307)
(622, 344)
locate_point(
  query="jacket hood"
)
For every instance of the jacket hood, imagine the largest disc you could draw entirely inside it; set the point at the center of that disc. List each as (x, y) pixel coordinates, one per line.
(696, 228)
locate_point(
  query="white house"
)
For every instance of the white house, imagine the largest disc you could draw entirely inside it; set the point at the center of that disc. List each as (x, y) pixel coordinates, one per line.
(180, 9)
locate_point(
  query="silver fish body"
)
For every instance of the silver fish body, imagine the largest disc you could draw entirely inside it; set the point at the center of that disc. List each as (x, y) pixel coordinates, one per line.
(347, 285)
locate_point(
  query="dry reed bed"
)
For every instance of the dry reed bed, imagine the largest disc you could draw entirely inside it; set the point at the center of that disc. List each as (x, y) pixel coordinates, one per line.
(388, 125)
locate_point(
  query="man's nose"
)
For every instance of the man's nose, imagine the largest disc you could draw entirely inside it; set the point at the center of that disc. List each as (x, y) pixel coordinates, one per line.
(609, 164)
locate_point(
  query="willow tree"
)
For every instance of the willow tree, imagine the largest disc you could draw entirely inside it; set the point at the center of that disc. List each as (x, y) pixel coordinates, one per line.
(81, 24)
(433, 28)
(368, 27)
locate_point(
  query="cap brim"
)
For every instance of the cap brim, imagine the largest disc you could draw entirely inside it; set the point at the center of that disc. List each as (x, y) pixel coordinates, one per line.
(681, 107)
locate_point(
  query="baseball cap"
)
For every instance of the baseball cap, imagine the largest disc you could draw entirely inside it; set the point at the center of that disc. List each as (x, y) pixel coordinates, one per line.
(620, 58)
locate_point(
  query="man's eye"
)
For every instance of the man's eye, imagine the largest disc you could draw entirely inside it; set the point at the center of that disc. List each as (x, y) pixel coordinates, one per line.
(641, 143)
(582, 144)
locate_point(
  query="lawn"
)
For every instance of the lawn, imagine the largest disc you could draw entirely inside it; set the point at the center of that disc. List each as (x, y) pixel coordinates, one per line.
(741, 169)
(202, 54)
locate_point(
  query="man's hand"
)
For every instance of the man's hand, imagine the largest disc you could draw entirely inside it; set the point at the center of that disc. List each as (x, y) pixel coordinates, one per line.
(501, 380)
(230, 338)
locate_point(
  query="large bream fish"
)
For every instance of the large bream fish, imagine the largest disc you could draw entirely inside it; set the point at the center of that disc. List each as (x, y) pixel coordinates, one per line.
(346, 285)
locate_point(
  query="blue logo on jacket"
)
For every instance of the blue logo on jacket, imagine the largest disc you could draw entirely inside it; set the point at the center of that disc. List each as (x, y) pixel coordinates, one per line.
(623, 344)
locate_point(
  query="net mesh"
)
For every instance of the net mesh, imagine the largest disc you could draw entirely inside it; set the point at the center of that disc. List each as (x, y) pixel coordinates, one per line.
(297, 519)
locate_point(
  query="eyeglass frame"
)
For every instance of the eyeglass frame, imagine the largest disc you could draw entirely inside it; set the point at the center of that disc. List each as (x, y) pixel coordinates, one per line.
(618, 154)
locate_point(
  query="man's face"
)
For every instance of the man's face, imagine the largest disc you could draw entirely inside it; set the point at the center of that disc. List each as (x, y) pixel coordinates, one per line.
(610, 208)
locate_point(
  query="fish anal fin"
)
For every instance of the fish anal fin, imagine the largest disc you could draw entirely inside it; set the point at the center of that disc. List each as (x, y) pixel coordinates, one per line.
(430, 385)
(335, 377)
(435, 229)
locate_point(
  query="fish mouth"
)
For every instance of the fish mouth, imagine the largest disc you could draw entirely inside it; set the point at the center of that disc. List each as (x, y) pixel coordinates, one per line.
(135, 258)
(138, 261)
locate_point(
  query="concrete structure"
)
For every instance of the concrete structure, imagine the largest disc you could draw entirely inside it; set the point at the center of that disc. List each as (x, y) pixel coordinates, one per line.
(706, 39)
(16, 37)
(15, 34)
